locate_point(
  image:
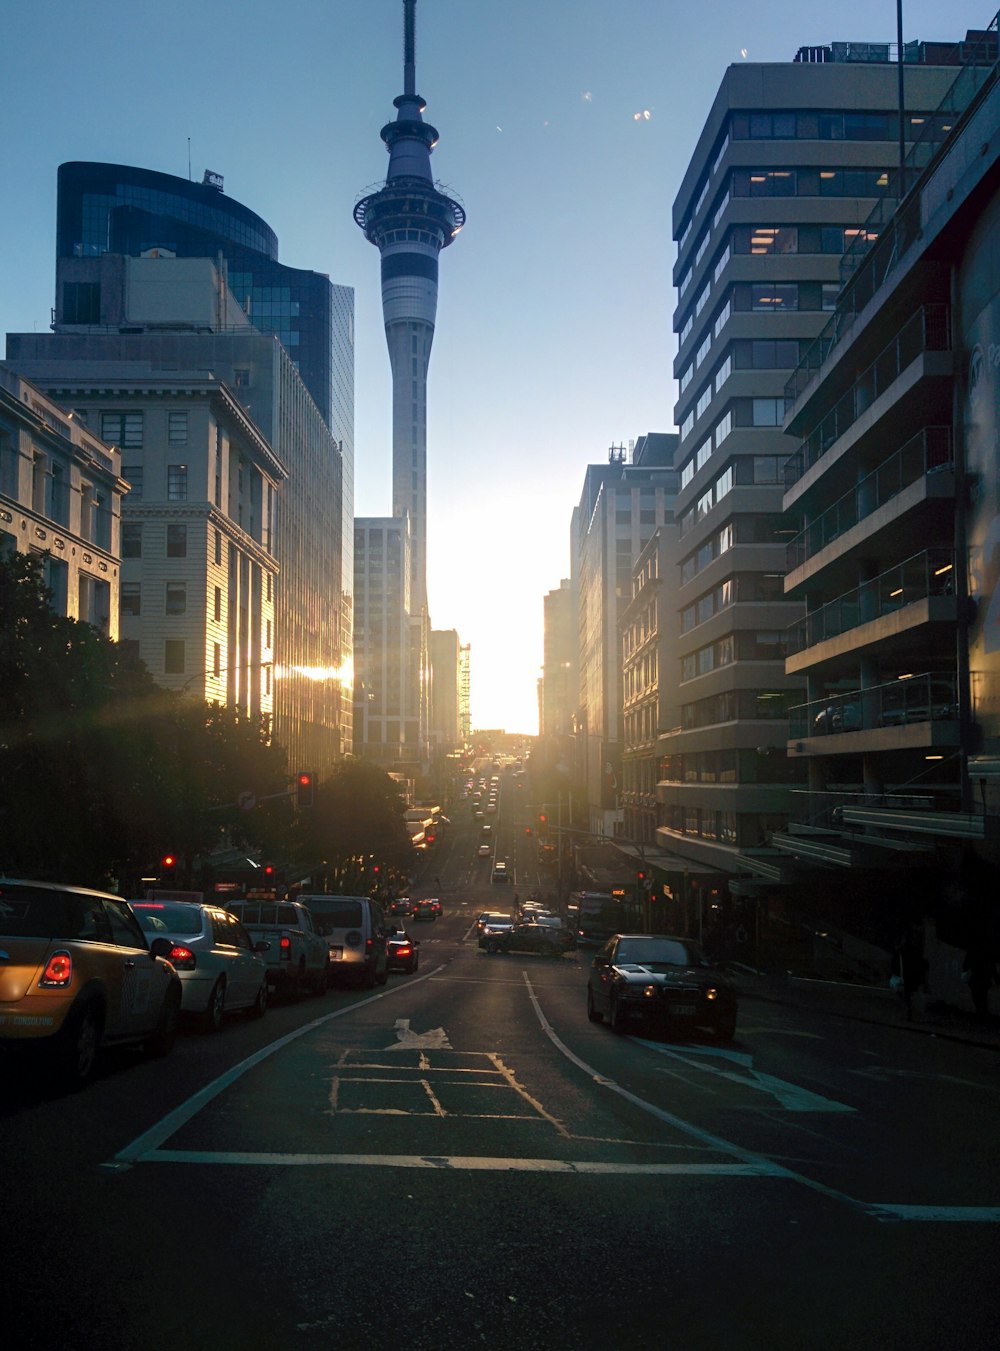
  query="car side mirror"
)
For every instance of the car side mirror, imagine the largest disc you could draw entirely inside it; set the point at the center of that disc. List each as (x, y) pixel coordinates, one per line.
(262, 945)
(601, 960)
(161, 947)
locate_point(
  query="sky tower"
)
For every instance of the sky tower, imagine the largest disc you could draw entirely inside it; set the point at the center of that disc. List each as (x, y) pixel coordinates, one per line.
(410, 221)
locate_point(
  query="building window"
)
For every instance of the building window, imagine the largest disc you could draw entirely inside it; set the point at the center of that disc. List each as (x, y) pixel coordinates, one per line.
(176, 598)
(216, 659)
(768, 412)
(173, 656)
(81, 302)
(133, 474)
(177, 429)
(177, 482)
(218, 605)
(177, 541)
(131, 599)
(218, 548)
(122, 429)
(59, 494)
(131, 539)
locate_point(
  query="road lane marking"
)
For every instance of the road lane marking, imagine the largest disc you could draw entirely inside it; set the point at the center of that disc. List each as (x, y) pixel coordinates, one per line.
(406, 1040)
(173, 1121)
(791, 1097)
(940, 1214)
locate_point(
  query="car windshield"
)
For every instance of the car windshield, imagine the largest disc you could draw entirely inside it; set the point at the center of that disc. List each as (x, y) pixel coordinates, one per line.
(172, 917)
(657, 952)
(335, 914)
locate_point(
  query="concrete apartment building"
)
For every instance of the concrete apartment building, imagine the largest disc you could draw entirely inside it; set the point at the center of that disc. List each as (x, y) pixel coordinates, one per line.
(621, 506)
(791, 161)
(648, 642)
(61, 490)
(893, 495)
(559, 674)
(445, 675)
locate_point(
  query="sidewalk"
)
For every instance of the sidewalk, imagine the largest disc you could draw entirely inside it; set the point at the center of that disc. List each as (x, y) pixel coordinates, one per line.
(868, 1004)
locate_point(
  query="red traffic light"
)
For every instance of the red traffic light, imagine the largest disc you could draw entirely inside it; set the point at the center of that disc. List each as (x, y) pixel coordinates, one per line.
(305, 784)
(168, 860)
(268, 869)
(542, 818)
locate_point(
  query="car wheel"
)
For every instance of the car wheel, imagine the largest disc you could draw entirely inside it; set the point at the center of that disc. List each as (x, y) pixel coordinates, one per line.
(78, 1045)
(725, 1028)
(493, 947)
(616, 1015)
(593, 1014)
(368, 979)
(414, 964)
(161, 1043)
(216, 1011)
(320, 983)
(259, 1007)
(296, 984)
(384, 976)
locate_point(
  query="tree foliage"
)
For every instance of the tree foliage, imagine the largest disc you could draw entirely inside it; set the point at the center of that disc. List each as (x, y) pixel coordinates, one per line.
(357, 821)
(101, 771)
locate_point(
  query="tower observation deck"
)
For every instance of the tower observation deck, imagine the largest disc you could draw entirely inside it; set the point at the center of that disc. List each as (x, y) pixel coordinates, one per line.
(410, 220)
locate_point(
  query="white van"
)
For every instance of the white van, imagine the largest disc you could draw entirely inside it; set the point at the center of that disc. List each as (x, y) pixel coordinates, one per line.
(357, 937)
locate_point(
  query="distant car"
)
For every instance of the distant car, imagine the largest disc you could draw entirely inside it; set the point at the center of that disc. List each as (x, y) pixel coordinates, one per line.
(536, 938)
(500, 873)
(221, 969)
(403, 954)
(403, 906)
(488, 917)
(491, 808)
(77, 973)
(478, 814)
(427, 909)
(660, 979)
(484, 851)
(494, 924)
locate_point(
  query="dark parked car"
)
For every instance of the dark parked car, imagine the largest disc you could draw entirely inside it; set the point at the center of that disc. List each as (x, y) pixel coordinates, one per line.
(660, 979)
(540, 938)
(429, 908)
(403, 954)
(401, 906)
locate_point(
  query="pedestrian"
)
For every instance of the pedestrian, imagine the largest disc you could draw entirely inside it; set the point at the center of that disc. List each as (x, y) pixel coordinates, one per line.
(979, 972)
(909, 968)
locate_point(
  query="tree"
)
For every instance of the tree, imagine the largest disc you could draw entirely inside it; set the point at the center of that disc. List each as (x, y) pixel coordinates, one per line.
(358, 820)
(101, 771)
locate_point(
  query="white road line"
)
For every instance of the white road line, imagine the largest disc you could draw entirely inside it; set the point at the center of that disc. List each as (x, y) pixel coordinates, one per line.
(179, 1117)
(940, 1214)
(791, 1097)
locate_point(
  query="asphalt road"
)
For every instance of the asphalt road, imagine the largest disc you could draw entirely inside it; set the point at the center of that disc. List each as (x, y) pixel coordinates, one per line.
(461, 1159)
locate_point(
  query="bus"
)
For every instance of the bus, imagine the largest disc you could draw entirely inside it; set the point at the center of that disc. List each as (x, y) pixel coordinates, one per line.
(600, 914)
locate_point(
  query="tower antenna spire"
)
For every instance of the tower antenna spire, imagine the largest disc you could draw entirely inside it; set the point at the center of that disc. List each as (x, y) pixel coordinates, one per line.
(409, 47)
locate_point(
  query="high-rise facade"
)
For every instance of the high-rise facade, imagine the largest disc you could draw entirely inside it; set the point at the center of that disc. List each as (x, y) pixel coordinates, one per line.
(620, 509)
(790, 163)
(161, 317)
(445, 667)
(892, 494)
(559, 647)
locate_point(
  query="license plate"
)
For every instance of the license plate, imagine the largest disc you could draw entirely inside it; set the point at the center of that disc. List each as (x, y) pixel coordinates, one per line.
(336, 954)
(682, 1010)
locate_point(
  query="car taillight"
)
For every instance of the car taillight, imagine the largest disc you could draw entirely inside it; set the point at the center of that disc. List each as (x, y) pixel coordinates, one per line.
(286, 948)
(403, 952)
(58, 972)
(368, 945)
(182, 958)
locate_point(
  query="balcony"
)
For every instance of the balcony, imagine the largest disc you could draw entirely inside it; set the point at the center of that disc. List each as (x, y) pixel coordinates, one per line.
(928, 698)
(931, 573)
(927, 330)
(930, 451)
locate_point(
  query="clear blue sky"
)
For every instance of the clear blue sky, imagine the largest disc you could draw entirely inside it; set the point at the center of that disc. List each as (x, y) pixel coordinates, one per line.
(554, 335)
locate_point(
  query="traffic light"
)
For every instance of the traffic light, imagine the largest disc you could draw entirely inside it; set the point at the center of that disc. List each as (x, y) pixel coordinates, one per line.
(268, 871)
(168, 862)
(527, 830)
(542, 818)
(640, 878)
(305, 784)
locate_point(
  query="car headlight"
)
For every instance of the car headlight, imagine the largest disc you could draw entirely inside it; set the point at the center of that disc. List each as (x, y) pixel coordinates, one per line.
(711, 992)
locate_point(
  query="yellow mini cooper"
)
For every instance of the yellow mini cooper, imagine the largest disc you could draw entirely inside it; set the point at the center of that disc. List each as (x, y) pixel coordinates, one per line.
(76, 974)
